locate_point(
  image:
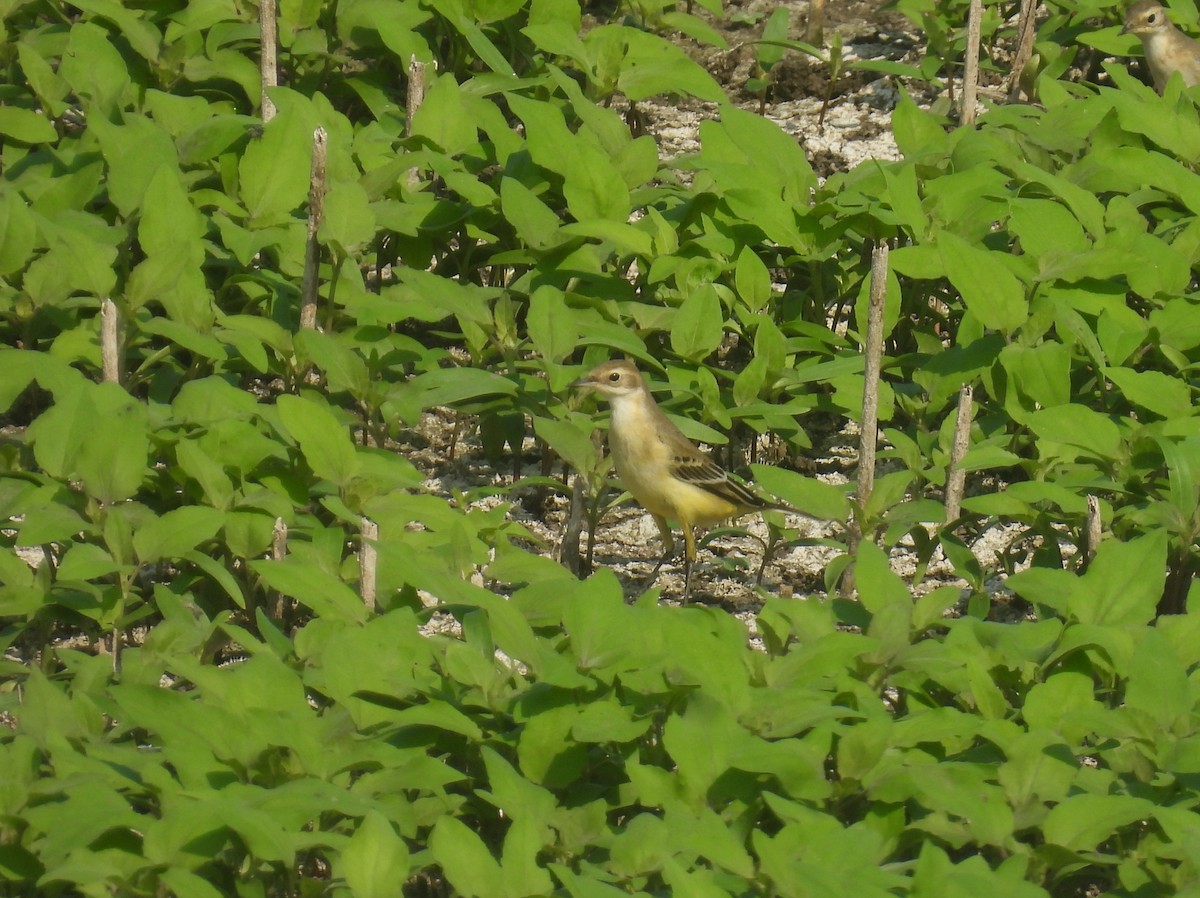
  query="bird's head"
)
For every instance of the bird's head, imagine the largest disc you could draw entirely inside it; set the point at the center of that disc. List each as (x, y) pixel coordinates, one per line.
(613, 380)
(1145, 17)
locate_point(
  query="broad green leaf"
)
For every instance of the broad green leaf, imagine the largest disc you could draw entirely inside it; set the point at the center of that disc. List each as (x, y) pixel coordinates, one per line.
(442, 117)
(1087, 431)
(464, 858)
(176, 532)
(323, 437)
(1158, 682)
(1082, 822)
(17, 231)
(274, 169)
(94, 68)
(341, 365)
(1124, 582)
(134, 151)
(1159, 393)
(26, 126)
(313, 587)
(989, 290)
(95, 432)
(698, 325)
(374, 860)
(1043, 372)
(752, 279)
(823, 501)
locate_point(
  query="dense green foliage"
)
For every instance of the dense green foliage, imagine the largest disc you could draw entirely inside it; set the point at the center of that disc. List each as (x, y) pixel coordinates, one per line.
(565, 742)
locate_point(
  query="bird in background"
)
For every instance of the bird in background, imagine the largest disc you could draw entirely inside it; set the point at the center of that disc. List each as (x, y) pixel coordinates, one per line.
(661, 468)
(1167, 48)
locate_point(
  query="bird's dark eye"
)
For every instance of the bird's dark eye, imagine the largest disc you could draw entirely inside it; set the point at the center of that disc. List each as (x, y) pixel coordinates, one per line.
(614, 377)
(1152, 18)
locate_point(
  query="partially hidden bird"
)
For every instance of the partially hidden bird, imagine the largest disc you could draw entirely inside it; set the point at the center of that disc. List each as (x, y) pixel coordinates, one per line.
(661, 468)
(1167, 48)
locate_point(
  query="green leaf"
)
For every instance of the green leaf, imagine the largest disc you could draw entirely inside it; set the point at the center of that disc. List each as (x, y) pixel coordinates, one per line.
(374, 860)
(176, 532)
(698, 325)
(1082, 822)
(313, 587)
(823, 501)
(991, 292)
(1159, 393)
(1088, 432)
(1158, 682)
(17, 231)
(323, 438)
(95, 432)
(274, 170)
(464, 858)
(442, 117)
(1124, 582)
(26, 126)
(752, 280)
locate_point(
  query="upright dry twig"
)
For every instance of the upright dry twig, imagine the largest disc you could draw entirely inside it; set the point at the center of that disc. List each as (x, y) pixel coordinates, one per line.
(814, 28)
(868, 438)
(110, 341)
(1091, 535)
(279, 537)
(568, 550)
(1025, 32)
(956, 477)
(971, 72)
(316, 212)
(269, 55)
(368, 561)
(415, 97)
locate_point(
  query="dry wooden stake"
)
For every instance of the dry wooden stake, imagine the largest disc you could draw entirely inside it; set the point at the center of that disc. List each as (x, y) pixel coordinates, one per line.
(368, 561)
(414, 99)
(1091, 536)
(868, 438)
(269, 55)
(279, 538)
(568, 550)
(316, 212)
(966, 115)
(110, 341)
(814, 29)
(1025, 32)
(956, 477)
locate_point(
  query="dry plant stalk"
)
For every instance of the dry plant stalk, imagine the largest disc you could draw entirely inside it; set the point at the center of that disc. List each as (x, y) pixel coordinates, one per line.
(971, 71)
(814, 29)
(416, 96)
(568, 550)
(110, 341)
(368, 561)
(316, 212)
(279, 538)
(868, 437)
(956, 477)
(269, 55)
(1025, 32)
(1091, 536)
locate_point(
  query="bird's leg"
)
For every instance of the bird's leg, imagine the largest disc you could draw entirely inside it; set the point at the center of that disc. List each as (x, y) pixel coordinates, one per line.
(689, 557)
(668, 541)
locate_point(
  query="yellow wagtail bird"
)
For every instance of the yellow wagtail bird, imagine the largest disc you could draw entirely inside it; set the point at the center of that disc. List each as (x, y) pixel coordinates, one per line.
(1167, 48)
(661, 468)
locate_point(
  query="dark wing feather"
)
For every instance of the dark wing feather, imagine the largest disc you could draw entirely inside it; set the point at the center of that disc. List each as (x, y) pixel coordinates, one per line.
(708, 475)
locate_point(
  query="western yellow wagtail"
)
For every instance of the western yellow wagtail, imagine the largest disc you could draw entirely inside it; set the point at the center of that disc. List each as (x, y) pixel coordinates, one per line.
(1167, 48)
(661, 468)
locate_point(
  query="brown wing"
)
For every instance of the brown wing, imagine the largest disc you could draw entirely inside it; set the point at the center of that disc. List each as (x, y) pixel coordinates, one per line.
(703, 472)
